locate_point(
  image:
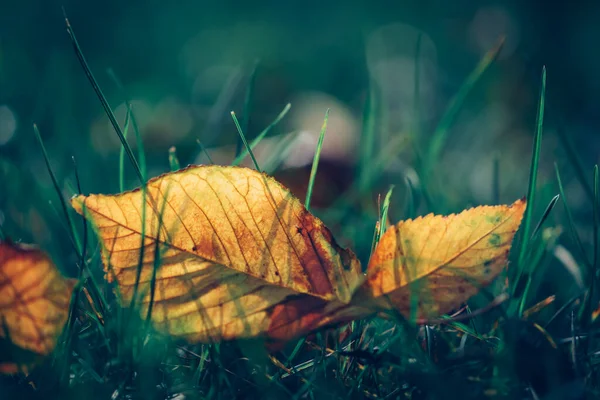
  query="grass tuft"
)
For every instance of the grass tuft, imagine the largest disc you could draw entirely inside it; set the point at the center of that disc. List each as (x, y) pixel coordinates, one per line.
(525, 229)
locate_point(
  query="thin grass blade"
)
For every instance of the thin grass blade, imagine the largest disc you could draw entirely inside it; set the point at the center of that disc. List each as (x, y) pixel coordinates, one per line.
(104, 102)
(261, 136)
(586, 309)
(63, 203)
(280, 153)
(203, 149)
(547, 212)
(122, 152)
(173, 160)
(315, 164)
(134, 123)
(384, 213)
(247, 107)
(241, 133)
(531, 190)
(570, 219)
(368, 137)
(440, 135)
(496, 179)
(573, 156)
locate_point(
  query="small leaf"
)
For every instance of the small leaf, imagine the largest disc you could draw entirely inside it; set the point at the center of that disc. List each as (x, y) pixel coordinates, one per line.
(34, 306)
(241, 256)
(442, 260)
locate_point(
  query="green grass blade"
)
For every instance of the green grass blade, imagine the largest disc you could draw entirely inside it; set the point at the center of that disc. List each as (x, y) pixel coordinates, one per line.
(374, 240)
(384, 212)
(536, 255)
(173, 160)
(596, 209)
(157, 256)
(531, 190)
(570, 219)
(203, 149)
(63, 203)
(279, 153)
(416, 119)
(62, 223)
(573, 156)
(594, 270)
(367, 138)
(104, 102)
(294, 353)
(142, 250)
(440, 135)
(315, 164)
(94, 284)
(547, 212)
(240, 157)
(464, 328)
(247, 104)
(585, 311)
(412, 200)
(85, 225)
(122, 152)
(496, 179)
(241, 133)
(134, 124)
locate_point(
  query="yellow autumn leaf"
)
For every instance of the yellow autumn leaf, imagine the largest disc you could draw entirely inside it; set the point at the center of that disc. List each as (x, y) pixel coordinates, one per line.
(240, 256)
(442, 260)
(34, 306)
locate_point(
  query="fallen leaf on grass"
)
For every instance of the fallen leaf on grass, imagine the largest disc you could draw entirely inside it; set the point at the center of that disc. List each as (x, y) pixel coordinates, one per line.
(215, 253)
(240, 256)
(441, 261)
(34, 306)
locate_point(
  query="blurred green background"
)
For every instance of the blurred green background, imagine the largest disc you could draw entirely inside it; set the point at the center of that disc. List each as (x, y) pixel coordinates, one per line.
(186, 64)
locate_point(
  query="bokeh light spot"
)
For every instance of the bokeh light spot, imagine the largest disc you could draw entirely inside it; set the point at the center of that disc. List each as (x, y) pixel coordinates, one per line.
(8, 124)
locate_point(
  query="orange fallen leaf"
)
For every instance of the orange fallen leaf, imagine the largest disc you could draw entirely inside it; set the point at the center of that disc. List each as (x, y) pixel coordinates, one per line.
(34, 306)
(442, 260)
(240, 256)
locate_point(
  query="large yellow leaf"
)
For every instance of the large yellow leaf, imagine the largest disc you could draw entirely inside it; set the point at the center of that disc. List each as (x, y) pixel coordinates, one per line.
(442, 260)
(240, 256)
(34, 306)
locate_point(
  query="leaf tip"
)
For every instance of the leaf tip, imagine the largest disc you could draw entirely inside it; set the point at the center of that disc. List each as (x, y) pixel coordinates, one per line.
(77, 203)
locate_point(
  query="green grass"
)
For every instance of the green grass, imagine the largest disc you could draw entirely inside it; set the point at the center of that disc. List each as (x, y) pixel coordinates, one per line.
(500, 348)
(315, 163)
(244, 152)
(243, 138)
(524, 267)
